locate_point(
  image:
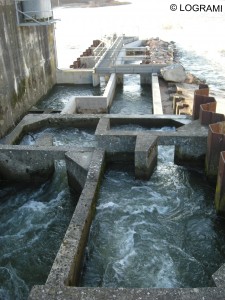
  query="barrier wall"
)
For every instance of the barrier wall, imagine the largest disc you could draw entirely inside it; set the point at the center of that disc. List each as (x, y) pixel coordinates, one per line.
(27, 65)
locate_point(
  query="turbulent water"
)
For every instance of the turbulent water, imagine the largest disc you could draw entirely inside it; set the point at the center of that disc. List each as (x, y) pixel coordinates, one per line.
(136, 127)
(63, 136)
(158, 233)
(34, 220)
(61, 94)
(132, 97)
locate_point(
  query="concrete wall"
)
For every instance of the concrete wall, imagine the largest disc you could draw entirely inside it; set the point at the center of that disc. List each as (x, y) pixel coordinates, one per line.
(71, 76)
(92, 104)
(27, 65)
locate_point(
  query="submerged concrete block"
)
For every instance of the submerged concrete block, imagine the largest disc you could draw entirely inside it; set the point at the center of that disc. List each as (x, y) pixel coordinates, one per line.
(220, 187)
(145, 156)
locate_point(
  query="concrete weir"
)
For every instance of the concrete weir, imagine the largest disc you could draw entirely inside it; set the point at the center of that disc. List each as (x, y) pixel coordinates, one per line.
(85, 168)
(117, 140)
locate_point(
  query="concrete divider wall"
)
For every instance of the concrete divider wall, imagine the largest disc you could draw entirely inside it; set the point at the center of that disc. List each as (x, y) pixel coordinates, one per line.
(35, 122)
(71, 76)
(92, 104)
(68, 262)
(110, 89)
(156, 96)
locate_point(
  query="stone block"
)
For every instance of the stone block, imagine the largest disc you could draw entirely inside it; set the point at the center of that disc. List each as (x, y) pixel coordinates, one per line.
(174, 72)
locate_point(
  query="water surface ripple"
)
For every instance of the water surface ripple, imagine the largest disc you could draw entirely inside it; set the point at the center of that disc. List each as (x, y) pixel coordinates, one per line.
(160, 233)
(33, 223)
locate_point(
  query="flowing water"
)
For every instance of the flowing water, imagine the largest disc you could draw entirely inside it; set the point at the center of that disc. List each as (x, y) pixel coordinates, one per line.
(136, 127)
(81, 137)
(132, 97)
(157, 233)
(34, 220)
(59, 96)
(197, 35)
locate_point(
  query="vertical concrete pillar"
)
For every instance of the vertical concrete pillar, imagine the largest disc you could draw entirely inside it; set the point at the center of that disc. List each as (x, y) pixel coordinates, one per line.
(215, 144)
(220, 187)
(145, 156)
(95, 79)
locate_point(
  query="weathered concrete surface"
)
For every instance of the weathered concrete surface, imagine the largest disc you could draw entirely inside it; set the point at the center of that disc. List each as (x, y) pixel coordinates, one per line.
(191, 148)
(73, 293)
(20, 166)
(145, 159)
(190, 140)
(219, 277)
(77, 165)
(27, 64)
(34, 122)
(67, 265)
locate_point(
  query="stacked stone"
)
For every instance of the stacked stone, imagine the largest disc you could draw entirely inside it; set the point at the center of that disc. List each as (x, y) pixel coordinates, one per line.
(88, 52)
(159, 52)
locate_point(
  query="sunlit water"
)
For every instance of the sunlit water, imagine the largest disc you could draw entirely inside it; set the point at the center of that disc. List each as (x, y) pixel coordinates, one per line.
(136, 127)
(34, 220)
(81, 137)
(157, 233)
(60, 95)
(132, 97)
(198, 35)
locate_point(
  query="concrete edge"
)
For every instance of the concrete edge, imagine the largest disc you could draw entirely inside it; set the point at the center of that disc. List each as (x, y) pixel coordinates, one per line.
(68, 262)
(156, 95)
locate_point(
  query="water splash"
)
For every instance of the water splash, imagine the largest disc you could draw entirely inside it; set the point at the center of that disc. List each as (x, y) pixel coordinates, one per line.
(160, 233)
(30, 231)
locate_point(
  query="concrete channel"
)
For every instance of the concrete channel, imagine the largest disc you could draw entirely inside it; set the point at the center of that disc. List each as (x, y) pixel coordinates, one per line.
(86, 167)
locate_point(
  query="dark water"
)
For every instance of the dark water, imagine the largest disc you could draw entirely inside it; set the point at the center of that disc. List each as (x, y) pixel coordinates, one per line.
(34, 220)
(132, 97)
(161, 233)
(59, 96)
(81, 137)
